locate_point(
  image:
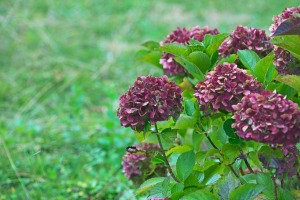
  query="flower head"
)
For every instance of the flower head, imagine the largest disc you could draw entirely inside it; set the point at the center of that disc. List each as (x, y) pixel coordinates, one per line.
(246, 38)
(285, 63)
(138, 167)
(182, 36)
(225, 87)
(267, 117)
(151, 100)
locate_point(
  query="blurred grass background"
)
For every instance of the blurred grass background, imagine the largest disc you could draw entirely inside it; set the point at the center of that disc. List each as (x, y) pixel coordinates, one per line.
(63, 66)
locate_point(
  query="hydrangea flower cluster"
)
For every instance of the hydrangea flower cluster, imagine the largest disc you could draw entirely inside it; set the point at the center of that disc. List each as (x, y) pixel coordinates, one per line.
(285, 63)
(290, 162)
(181, 36)
(151, 99)
(225, 87)
(138, 167)
(246, 38)
(267, 117)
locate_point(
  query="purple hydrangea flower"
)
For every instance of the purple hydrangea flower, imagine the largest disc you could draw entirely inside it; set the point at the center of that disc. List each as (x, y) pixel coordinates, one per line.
(289, 163)
(138, 167)
(285, 63)
(225, 87)
(151, 100)
(246, 38)
(182, 36)
(267, 117)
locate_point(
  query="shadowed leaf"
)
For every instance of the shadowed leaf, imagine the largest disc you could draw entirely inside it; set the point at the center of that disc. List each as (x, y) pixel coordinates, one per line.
(288, 27)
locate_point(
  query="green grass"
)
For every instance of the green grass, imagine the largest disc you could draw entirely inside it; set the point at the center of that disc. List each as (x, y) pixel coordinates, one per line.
(63, 66)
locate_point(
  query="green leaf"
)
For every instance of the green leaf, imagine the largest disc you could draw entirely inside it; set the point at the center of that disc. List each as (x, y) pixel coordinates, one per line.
(228, 129)
(175, 49)
(254, 158)
(189, 107)
(161, 189)
(269, 157)
(185, 164)
(265, 70)
(265, 180)
(288, 42)
(151, 57)
(149, 184)
(179, 149)
(151, 45)
(200, 59)
(212, 42)
(248, 58)
(191, 68)
(229, 59)
(225, 186)
(185, 122)
(212, 174)
(192, 181)
(247, 191)
(141, 136)
(200, 194)
(248, 178)
(230, 152)
(290, 80)
(168, 137)
(285, 195)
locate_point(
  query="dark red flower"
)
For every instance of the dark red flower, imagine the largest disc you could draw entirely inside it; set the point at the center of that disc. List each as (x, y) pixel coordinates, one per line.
(182, 36)
(267, 117)
(138, 167)
(151, 100)
(225, 87)
(246, 38)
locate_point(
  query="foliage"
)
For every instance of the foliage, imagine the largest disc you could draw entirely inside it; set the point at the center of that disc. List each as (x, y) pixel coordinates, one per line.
(236, 137)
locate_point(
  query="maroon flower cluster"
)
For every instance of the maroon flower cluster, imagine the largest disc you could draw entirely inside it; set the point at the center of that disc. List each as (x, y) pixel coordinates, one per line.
(267, 117)
(138, 167)
(246, 38)
(285, 63)
(289, 163)
(182, 36)
(225, 87)
(151, 100)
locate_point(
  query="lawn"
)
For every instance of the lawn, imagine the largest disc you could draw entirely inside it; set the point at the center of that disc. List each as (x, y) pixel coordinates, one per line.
(63, 66)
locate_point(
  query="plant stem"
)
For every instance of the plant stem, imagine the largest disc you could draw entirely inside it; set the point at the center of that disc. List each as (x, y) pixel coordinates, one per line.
(248, 165)
(212, 143)
(275, 187)
(164, 155)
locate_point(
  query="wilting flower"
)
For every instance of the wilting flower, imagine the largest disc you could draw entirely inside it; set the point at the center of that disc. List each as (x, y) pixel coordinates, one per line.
(182, 36)
(285, 63)
(289, 163)
(225, 87)
(137, 166)
(267, 117)
(151, 100)
(246, 38)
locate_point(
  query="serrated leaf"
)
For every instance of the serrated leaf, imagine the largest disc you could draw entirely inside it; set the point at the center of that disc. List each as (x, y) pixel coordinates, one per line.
(248, 58)
(175, 49)
(230, 152)
(190, 67)
(288, 42)
(185, 164)
(151, 57)
(229, 59)
(144, 187)
(179, 149)
(266, 180)
(247, 191)
(230, 132)
(290, 80)
(202, 194)
(225, 186)
(265, 70)
(185, 122)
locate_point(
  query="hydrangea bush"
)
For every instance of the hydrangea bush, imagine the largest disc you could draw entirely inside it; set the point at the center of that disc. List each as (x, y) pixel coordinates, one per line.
(223, 122)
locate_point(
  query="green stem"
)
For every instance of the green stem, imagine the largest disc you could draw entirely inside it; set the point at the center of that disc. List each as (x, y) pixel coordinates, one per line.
(248, 165)
(164, 155)
(275, 187)
(212, 143)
